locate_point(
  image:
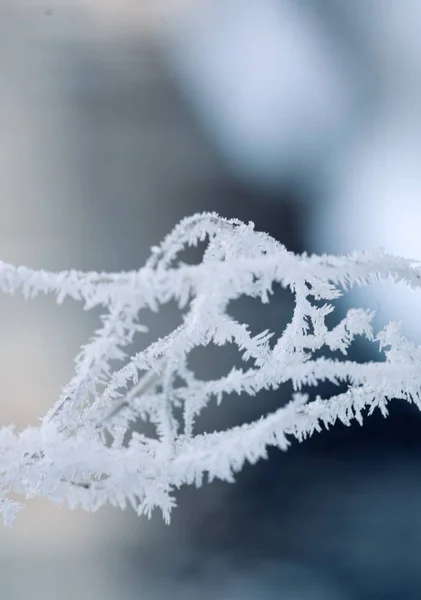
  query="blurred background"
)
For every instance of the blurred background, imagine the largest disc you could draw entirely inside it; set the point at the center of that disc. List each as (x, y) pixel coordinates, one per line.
(118, 118)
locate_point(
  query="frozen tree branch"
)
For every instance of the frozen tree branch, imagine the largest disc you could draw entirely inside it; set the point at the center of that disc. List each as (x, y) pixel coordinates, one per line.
(85, 452)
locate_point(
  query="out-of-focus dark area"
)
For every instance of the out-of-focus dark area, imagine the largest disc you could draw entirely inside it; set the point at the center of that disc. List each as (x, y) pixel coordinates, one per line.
(118, 118)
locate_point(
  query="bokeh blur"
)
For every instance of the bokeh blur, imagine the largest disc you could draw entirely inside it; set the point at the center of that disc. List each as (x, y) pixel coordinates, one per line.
(118, 118)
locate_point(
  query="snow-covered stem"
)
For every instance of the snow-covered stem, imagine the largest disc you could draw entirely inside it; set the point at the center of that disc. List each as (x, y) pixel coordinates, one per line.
(85, 451)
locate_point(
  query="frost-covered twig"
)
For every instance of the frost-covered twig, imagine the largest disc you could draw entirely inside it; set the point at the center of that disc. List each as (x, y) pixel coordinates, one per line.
(85, 452)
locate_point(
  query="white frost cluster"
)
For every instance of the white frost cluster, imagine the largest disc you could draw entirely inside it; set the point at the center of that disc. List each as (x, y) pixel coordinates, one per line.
(85, 451)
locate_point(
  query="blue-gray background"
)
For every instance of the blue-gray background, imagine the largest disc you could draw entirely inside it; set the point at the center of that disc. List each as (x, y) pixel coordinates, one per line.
(118, 118)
